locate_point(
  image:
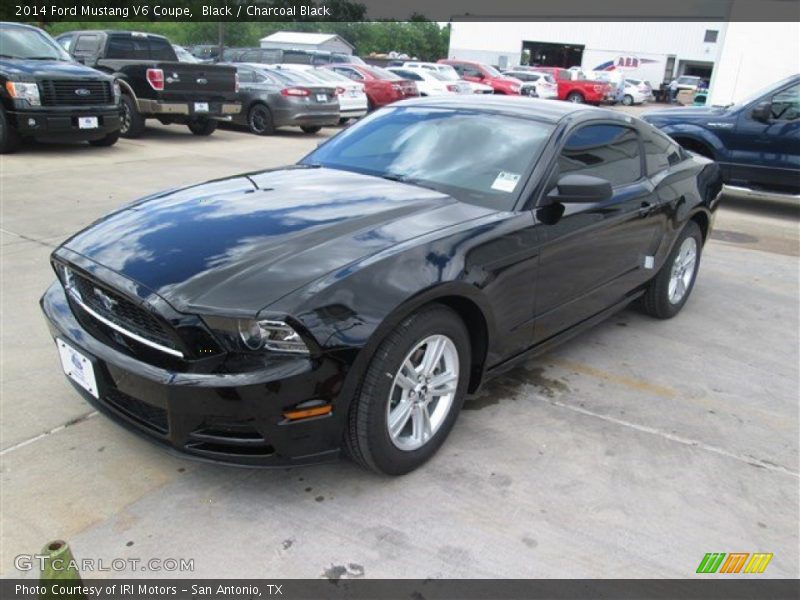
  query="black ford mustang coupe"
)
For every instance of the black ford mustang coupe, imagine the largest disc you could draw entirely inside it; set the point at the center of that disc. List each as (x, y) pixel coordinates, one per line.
(353, 300)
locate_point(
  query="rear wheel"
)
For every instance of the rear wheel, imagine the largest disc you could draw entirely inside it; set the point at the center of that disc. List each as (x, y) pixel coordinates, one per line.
(108, 140)
(411, 394)
(670, 289)
(202, 126)
(311, 128)
(259, 120)
(9, 138)
(131, 122)
(575, 97)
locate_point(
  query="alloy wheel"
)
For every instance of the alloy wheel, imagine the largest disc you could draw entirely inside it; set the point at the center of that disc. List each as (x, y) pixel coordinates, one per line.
(682, 270)
(422, 392)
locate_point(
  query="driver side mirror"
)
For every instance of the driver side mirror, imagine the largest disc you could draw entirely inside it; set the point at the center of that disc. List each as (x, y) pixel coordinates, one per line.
(580, 189)
(762, 112)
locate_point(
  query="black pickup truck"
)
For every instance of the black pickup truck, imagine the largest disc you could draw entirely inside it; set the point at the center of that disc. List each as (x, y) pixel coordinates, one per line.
(46, 95)
(154, 84)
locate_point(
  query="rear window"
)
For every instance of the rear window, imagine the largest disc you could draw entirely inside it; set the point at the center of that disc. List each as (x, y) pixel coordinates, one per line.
(128, 47)
(161, 49)
(379, 73)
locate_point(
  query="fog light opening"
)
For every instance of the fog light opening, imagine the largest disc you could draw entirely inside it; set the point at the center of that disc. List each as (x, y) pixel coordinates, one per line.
(307, 410)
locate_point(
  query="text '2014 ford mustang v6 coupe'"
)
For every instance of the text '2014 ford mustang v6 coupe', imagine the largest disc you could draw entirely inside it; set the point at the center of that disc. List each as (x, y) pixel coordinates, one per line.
(353, 300)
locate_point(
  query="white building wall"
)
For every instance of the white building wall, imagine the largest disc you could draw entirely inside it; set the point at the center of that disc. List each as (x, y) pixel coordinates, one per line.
(754, 55)
(500, 42)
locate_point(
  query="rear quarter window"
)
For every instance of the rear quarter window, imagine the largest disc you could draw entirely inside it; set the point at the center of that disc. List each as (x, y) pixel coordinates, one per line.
(660, 152)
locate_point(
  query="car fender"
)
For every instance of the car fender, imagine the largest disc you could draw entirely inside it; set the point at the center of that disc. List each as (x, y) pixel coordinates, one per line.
(697, 133)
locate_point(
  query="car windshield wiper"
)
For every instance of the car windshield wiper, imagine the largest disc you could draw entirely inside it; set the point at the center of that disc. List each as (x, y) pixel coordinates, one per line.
(409, 180)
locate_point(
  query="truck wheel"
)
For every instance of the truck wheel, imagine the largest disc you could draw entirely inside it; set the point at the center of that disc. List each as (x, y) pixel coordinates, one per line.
(311, 128)
(259, 120)
(131, 122)
(9, 138)
(202, 126)
(575, 97)
(108, 140)
(627, 99)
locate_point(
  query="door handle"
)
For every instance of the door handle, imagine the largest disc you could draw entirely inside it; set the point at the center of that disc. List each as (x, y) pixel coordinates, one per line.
(645, 208)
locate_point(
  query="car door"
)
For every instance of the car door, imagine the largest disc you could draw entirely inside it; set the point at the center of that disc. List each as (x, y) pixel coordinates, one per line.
(766, 153)
(593, 255)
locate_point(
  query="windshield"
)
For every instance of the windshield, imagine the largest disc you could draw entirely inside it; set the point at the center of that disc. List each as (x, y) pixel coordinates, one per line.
(772, 87)
(25, 43)
(476, 157)
(448, 72)
(379, 73)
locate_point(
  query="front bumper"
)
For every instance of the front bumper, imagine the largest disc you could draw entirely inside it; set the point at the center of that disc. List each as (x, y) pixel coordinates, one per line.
(234, 418)
(215, 109)
(62, 123)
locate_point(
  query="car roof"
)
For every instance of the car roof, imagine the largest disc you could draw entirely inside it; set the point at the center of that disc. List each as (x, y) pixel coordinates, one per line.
(543, 110)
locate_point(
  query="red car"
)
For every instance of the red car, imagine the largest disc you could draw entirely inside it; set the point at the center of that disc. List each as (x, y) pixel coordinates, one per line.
(382, 87)
(578, 90)
(485, 74)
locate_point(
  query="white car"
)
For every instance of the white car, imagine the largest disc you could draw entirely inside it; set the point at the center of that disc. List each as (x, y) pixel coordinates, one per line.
(635, 93)
(353, 102)
(447, 73)
(429, 83)
(542, 84)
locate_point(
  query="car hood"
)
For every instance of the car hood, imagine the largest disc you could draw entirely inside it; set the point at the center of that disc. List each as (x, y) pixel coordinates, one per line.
(48, 68)
(687, 113)
(237, 245)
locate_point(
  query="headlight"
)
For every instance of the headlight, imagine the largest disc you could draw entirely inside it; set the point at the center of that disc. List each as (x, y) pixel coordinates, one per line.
(117, 92)
(254, 335)
(24, 91)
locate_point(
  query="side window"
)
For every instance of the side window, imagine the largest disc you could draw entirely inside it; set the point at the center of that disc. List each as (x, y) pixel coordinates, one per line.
(352, 74)
(470, 72)
(85, 44)
(65, 41)
(246, 76)
(409, 75)
(786, 104)
(162, 50)
(610, 152)
(459, 69)
(660, 152)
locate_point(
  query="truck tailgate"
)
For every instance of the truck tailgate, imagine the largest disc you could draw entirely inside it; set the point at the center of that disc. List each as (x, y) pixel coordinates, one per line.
(197, 78)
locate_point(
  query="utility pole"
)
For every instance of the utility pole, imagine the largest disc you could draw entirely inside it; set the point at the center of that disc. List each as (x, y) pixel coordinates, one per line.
(221, 38)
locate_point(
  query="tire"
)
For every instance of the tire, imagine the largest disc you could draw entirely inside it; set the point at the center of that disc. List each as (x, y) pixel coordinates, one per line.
(575, 97)
(9, 138)
(131, 122)
(259, 120)
(367, 439)
(627, 100)
(659, 300)
(202, 126)
(344, 120)
(108, 140)
(311, 128)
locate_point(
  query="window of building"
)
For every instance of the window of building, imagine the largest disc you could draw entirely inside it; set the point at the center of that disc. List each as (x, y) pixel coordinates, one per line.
(711, 36)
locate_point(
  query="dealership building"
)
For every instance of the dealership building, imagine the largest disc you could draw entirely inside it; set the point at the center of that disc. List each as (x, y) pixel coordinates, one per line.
(735, 57)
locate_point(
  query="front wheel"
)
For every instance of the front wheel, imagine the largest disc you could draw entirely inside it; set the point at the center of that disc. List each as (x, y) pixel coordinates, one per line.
(670, 289)
(9, 138)
(202, 126)
(411, 394)
(627, 99)
(131, 121)
(311, 128)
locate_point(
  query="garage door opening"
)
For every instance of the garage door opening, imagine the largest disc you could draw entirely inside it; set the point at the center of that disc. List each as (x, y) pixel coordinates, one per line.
(544, 54)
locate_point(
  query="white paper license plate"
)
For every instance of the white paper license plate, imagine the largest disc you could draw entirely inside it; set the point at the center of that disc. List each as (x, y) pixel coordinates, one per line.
(201, 107)
(353, 93)
(87, 123)
(77, 367)
(322, 97)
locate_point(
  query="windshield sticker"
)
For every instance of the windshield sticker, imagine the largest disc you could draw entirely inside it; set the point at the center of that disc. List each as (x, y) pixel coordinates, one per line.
(505, 182)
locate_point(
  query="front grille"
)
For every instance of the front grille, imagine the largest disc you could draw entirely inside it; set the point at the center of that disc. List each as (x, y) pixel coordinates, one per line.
(119, 310)
(150, 416)
(74, 92)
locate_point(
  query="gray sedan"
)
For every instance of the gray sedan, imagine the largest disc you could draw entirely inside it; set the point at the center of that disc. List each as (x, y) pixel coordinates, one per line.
(278, 98)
